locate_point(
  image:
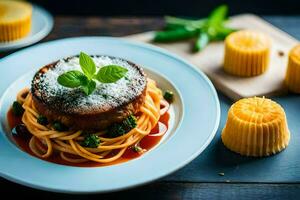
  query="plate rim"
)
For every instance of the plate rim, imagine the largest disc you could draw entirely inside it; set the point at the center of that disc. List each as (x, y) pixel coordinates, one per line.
(31, 39)
(180, 164)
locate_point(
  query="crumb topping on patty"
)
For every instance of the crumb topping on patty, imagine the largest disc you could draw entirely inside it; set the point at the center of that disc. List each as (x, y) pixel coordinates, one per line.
(105, 97)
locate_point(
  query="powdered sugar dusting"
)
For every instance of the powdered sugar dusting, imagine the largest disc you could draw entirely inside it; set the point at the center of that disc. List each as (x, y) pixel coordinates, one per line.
(104, 97)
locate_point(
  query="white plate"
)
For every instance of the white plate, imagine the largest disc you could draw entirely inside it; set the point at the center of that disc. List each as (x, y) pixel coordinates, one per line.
(42, 24)
(195, 117)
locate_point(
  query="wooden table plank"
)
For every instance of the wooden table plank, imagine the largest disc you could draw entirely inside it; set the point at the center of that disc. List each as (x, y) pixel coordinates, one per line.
(99, 26)
(174, 190)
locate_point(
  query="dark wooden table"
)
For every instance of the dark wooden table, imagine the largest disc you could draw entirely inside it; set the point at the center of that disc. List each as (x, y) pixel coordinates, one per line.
(171, 187)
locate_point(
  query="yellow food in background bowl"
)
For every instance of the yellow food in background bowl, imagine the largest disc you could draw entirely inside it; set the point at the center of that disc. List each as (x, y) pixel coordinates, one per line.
(256, 127)
(15, 20)
(247, 53)
(292, 78)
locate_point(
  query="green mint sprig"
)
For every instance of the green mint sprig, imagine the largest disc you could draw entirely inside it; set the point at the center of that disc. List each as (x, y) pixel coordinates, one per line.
(86, 79)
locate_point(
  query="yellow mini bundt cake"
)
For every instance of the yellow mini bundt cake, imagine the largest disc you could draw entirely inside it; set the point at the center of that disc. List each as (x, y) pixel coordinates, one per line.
(246, 53)
(292, 78)
(15, 20)
(256, 127)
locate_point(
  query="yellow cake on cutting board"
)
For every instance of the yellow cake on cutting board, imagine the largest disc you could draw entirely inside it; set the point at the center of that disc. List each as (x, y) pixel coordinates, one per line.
(256, 127)
(247, 53)
(292, 78)
(15, 20)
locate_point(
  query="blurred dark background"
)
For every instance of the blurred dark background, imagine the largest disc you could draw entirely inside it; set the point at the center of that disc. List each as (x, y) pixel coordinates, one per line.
(193, 8)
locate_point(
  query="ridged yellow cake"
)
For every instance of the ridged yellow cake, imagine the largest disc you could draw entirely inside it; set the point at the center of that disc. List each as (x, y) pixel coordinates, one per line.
(246, 53)
(292, 78)
(15, 20)
(256, 127)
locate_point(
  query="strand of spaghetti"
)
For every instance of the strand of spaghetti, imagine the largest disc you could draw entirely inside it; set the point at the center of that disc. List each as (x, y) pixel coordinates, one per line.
(112, 144)
(153, 93)
(105, 153)
(141, 119)
(150, 103)
(152, 118)
(64, 149)
(152, 109)
(146, 128)
(31, 111)
(40, 146)
(87, 152)
(32, 146)
(98, 134)
(116, 146)
(31, 120)
(72, 160)
(96, 150)
(62, 143)
(143, 128)
(28, 106)
(74, 145)
(31, 128)
(20, 96)
(144, 123)
(156, 101)
(44, 131)
(49, 147)
(61, 135)
(147, 131)
(118, 138)
(71, 150)
(72, 136)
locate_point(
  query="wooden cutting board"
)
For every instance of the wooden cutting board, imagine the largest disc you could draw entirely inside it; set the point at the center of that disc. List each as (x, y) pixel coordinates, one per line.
(210, 60)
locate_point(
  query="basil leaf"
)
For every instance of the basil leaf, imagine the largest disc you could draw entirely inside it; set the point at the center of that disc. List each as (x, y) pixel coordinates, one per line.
(110, 73)
(89, 87)
(87, 65)
(71, 79)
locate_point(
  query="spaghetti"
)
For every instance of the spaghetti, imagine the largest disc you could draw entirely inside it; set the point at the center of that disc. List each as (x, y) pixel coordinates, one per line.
(46, 141)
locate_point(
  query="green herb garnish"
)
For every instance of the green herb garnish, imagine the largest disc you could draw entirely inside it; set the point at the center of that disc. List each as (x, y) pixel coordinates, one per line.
(118, 129)
(17, 109)
(72, 79)
(87, 65)
(203, 30)
(169, 96)
(59, 126)
(89, 87)
(91, 141)
(86, 80)
(137, 149)
(42, 120)
(110, 73)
